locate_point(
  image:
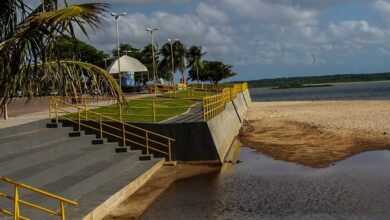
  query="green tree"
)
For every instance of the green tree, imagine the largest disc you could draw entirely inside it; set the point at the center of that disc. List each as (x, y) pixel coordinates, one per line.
(75, 49)
(128, 49)
(215, 71)
(194, 58)
(146, 57)
(165, 64)
(28, 42)
(179, 54)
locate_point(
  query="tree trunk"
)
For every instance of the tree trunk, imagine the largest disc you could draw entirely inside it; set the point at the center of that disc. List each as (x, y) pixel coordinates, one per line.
(5, 111)
(197, 74)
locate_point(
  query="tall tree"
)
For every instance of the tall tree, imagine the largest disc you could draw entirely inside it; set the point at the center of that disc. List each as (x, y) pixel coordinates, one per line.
(179, 54)
(194, 61)
(75, 49)
(165, 65)
(215, 71)
(128, 49)
(146, 57)
(30, 61)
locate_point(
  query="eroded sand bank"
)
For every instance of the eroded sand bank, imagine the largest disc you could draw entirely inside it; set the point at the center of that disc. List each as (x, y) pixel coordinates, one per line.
(319, 133)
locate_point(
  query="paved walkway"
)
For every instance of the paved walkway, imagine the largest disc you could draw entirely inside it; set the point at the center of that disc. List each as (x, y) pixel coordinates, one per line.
(21, 112)
(195, 114)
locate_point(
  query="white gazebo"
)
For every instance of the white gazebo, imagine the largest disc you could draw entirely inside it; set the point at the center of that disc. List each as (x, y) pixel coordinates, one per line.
(128, 64)
(131, 70)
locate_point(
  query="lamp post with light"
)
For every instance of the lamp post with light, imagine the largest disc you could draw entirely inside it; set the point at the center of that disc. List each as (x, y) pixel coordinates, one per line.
(116, 16)
(151, 30)
(173, 63)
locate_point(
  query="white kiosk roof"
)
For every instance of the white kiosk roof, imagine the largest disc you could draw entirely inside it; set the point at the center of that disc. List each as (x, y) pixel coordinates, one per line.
(128, 64)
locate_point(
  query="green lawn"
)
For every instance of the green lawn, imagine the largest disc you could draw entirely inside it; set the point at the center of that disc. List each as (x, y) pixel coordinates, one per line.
(188, 94)
(141, 110)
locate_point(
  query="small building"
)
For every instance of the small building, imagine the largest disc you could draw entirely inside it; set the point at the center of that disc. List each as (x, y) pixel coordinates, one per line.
(134, 75)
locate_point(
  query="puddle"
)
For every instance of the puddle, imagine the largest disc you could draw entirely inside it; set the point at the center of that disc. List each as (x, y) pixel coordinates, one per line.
(263, 188)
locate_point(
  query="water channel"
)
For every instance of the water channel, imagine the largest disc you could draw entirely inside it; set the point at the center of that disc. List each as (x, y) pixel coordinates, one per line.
(263, 188)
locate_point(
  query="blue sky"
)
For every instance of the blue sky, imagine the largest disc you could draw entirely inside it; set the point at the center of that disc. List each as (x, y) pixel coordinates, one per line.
(263, 38)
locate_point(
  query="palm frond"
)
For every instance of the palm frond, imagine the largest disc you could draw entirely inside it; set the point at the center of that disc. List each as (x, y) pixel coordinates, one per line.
(29, 60)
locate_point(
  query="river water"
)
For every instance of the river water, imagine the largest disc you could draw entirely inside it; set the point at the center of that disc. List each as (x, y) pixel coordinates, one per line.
(263, 188)
(339, 91)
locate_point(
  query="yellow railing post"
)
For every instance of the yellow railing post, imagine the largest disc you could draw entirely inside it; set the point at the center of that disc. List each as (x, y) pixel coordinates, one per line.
(85, 109)
(62, 210)
(56, 112)
(79, 119)
(204, 109)
(120, 111)
(169, 149)
(50, 109)
(16, 203)
(147, 142)
(100, 127)
(124, 134)
(154, 111)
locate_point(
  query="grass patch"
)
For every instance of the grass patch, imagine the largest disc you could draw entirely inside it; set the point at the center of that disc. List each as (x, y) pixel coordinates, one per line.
(141, 110)
(188, 94)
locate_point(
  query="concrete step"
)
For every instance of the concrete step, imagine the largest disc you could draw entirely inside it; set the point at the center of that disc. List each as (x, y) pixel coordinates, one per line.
(25, 128)
(79, 183)
(52, 150)
(98, 202)
(52, 170)
(36, 138)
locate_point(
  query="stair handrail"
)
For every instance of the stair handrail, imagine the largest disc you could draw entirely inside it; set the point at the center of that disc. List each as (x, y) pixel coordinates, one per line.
(101, 130)
(16, 198)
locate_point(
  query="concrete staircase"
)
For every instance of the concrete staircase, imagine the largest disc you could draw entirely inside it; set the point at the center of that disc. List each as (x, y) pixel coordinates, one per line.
(95, 173)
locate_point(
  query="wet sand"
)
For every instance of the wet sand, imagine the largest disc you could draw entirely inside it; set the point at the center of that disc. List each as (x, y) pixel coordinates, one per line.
(316, 134)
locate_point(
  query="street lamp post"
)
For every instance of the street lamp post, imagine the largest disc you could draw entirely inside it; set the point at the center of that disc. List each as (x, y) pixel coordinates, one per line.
(116, 16)
(105, 63)
(173, 63)
(151, 30)
(127, 51)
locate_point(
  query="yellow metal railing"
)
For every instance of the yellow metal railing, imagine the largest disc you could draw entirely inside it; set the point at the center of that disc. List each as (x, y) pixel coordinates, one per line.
(127, 133)
(136, 110)
(17, 200)
(213, 105)
(172, 103)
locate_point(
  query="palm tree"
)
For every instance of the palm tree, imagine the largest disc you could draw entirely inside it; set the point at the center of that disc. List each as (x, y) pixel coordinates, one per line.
(179, 57)
(165, 64)
(29, 59)
(194, 57)
(146, 57)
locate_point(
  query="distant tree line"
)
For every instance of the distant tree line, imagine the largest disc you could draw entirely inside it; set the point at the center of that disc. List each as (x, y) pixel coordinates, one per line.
(184, 59)
(288, 81)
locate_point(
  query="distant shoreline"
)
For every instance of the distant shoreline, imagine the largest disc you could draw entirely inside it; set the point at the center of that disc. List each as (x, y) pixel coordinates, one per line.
(302, 86)
(327, 79)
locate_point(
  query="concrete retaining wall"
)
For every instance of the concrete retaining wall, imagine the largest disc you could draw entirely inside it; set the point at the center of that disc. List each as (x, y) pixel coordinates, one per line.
(198, 141)
(226, 126)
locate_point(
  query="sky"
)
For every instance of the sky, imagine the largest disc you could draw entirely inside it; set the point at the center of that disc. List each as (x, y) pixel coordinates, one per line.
(262, 38)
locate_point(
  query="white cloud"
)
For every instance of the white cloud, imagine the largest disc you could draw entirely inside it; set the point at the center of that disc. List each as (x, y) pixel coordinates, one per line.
(359, 32)
(127, 2)
(187, 28)
(210, 13)
(382, 6)
(271, 12)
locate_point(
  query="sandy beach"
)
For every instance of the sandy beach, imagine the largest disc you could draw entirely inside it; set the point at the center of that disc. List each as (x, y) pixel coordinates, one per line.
(317, 134)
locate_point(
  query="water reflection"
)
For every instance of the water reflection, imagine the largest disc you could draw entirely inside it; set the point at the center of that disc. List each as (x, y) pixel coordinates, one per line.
(263, 188)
